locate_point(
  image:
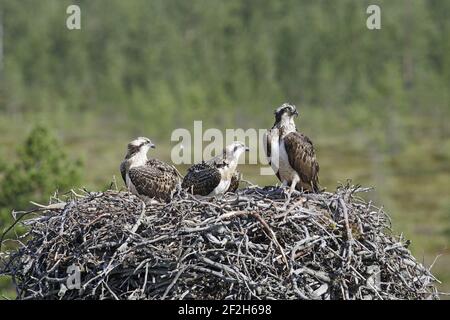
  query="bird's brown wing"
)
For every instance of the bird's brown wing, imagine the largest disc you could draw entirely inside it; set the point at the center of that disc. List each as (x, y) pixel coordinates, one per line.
(201, 179)
(234, 184)
(155, 180)
(302, 159)
(267, 138)
(123, 172)
(163, 167)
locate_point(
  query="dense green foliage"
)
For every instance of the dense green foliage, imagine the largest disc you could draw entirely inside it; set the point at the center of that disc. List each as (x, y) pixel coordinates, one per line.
(376, 103)
(41, 169)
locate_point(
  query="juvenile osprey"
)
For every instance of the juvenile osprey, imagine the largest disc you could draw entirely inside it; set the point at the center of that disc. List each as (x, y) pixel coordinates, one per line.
(291, 153)
(217, 175)
(147, 177)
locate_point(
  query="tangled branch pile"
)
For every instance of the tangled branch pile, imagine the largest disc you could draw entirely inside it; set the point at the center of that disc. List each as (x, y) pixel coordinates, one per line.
(248, 245)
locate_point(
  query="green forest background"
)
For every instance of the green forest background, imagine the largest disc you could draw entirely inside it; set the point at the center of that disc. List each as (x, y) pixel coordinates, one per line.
(375, 103)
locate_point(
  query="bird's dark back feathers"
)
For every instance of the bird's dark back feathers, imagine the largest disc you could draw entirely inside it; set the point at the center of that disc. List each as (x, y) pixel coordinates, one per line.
(201, 179)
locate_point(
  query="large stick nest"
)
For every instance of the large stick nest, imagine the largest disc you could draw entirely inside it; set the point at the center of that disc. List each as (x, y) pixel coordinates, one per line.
(246, 245)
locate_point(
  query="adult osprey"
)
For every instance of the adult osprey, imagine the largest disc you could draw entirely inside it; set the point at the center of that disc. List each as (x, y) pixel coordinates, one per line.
(147, 177)
(217, 175)
(291, 153)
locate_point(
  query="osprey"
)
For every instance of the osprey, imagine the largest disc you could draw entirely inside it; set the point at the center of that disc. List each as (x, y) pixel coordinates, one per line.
(217, 175)
(291, 153)
(147, 177)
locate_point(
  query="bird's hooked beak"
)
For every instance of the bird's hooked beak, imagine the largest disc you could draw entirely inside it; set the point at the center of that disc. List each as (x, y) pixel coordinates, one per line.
(151, 145)
(295, 113)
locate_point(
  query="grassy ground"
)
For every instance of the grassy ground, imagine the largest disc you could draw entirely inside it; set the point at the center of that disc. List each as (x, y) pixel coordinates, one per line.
(412, 184)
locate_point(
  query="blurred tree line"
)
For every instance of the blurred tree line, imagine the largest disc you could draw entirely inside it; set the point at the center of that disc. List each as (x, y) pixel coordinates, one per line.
(166, 62)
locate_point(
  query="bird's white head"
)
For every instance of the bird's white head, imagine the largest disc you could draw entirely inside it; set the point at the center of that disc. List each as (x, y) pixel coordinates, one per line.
(139, 148)
(233, 151)
(284, 116)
